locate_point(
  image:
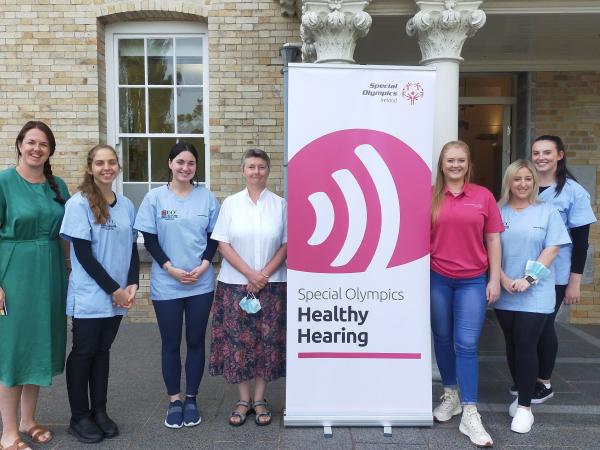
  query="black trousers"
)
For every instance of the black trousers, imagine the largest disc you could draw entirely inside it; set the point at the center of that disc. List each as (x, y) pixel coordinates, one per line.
(88, 364)
(522, 332)
(548, 345)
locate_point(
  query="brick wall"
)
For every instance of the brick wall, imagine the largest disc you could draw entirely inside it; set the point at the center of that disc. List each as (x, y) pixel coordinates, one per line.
(246, 108)
(567, 104)
(52, 68)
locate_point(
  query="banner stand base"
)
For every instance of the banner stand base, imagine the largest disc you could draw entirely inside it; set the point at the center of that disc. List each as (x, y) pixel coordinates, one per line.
(387, 422)
(328, 432)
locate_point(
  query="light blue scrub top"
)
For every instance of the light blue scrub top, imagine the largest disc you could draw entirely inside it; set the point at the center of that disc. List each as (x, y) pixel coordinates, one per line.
(573, 204)
(526, 234)
(111, 246)
(181, 224)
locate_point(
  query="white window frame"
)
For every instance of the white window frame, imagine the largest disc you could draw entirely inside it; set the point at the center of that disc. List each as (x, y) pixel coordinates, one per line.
(155, 30)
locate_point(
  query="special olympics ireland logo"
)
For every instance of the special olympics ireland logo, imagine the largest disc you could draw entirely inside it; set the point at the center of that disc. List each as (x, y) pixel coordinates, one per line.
(357, 199)
(413, 92)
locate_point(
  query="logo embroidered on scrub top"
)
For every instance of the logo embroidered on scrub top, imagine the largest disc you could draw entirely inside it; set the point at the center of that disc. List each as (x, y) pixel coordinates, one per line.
(109, 225)
(169, 214)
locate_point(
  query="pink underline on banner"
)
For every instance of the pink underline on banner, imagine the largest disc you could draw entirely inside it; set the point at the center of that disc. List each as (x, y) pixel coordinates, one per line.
(335, 355)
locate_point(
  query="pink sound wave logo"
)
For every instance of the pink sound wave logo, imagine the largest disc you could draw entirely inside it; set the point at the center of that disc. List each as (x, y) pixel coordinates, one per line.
(357, 199)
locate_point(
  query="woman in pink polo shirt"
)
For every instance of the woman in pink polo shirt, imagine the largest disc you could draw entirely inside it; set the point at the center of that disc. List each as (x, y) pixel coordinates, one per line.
(465, 273)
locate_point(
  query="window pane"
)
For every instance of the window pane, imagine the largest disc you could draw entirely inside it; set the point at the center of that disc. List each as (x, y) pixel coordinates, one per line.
(135, 192)
(189, 110)
(131, 61)
(132, 110)
(160, 103)
(160, 61)
(160, 157)
(189, 61)
(135, 159)
(199, 144)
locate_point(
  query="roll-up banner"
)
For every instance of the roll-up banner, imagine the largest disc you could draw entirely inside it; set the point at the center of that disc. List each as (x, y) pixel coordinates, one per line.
(359, 186)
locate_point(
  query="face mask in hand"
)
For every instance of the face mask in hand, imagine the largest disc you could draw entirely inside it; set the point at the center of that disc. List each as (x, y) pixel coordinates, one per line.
(536, 270)
(250, 303)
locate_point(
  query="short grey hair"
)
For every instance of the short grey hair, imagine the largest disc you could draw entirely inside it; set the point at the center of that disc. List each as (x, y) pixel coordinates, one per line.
(256, 153)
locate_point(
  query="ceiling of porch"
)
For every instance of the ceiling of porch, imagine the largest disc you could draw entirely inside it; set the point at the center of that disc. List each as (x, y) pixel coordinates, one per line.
(507, 42)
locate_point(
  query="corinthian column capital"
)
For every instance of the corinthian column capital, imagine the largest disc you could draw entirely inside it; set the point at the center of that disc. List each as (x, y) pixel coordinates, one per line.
(443, 26)
(330, 29)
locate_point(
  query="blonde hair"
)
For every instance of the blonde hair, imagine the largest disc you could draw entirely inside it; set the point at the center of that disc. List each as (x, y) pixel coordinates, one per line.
(510, 173)
(440, 182)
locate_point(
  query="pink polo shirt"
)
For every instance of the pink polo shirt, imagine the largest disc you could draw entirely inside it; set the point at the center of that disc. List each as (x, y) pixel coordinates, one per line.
(457, 238)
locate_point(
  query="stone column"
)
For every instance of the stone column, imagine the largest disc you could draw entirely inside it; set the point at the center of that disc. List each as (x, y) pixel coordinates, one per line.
(330, 29)
(442, 27)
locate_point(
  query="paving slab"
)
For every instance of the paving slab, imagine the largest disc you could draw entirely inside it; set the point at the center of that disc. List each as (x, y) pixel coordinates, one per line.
(137, 402)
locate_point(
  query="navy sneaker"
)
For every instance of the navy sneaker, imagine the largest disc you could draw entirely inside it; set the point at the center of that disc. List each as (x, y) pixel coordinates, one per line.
(174, 417)
(541, 393)
(191, 414)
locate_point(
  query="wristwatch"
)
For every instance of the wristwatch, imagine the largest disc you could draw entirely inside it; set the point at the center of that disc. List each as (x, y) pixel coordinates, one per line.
(530, 280)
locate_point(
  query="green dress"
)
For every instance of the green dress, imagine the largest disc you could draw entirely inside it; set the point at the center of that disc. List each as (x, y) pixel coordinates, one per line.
(32, 274)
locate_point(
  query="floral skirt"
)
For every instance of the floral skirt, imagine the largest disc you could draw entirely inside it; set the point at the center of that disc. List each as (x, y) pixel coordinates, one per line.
(246, 346)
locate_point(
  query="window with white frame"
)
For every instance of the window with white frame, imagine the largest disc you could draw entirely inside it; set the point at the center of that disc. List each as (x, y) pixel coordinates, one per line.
(156, 86)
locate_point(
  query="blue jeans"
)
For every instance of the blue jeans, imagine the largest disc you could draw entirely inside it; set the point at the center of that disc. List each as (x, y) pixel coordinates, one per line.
(457, 315)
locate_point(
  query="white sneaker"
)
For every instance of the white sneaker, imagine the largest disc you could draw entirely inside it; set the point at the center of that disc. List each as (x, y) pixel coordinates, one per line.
(471, 426)
(512, 409)
(522, 421)
(449, 407)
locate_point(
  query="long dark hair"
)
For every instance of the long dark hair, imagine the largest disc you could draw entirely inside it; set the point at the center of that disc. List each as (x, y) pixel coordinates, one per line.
(184, 147)
(90, 189)
(562, 172)
(36, 124)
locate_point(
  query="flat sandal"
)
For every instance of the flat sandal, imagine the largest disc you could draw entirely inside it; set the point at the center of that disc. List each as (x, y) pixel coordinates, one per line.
(242, 416)
(17, 445)
(257, 418)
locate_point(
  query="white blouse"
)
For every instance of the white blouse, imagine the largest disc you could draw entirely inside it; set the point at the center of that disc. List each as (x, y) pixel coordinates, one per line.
(255, 231)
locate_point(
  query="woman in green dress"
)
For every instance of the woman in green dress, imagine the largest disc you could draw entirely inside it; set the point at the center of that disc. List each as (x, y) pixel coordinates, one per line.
(32, 284)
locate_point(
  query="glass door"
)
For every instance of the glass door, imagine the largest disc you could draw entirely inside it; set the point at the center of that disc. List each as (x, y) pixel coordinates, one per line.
(485, 122)
(486, 128)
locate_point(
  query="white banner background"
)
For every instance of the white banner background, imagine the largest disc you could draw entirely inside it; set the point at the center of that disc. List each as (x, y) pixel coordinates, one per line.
(387, 380)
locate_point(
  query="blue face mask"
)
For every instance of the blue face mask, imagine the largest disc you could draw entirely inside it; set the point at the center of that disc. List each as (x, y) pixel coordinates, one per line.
(250, 303)
(536, 270)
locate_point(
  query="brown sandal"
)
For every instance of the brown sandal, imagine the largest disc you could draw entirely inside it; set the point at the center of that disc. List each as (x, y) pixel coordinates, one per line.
(35, 433)
(17, 445)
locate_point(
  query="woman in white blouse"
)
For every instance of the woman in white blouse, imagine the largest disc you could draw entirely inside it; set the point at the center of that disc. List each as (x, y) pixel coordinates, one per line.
(248, 331)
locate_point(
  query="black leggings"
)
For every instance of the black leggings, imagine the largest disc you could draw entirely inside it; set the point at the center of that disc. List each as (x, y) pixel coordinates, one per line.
(169, 314)
(521, 334)
(548, 345)
(88, 364)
